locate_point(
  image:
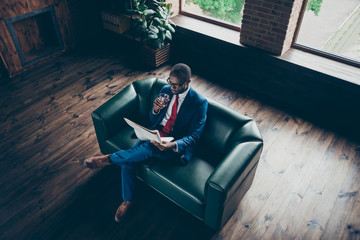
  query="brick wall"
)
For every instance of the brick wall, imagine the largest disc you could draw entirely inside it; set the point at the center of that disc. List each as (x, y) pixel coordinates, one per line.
(270, 24)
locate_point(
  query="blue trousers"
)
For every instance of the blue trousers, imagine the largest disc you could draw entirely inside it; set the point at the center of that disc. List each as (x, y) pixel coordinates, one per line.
(128, 160)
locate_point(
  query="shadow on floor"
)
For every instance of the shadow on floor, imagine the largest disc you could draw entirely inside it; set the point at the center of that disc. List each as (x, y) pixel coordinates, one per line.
(90, 215)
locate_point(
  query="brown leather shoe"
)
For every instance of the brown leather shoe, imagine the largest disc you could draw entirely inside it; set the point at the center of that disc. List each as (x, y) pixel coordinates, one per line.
(97, 162)
(121, 211)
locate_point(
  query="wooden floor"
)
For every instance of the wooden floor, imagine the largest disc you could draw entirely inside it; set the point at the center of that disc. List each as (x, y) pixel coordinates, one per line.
(306, 186)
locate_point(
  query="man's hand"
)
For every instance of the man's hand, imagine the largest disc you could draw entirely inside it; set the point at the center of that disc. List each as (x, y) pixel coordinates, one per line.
(159, 104)
(163, 146)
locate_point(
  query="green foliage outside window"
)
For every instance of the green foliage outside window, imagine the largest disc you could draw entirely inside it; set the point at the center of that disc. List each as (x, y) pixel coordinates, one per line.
(230, 10)
(227, 10)
(314, 5)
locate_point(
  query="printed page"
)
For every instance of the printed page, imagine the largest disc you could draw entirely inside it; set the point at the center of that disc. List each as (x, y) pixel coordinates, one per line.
(166, 139)
(146, 134)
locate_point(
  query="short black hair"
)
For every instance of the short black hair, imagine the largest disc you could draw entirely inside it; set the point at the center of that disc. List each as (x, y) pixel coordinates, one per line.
(181, 71)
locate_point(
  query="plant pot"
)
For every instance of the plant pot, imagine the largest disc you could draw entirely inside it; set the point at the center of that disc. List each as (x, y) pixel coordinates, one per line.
(154, 57)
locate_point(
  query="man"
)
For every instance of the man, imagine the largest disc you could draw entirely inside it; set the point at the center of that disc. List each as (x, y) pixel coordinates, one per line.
(182, 117)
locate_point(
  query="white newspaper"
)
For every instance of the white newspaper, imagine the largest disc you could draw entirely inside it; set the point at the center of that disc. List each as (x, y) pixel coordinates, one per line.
(147, 134)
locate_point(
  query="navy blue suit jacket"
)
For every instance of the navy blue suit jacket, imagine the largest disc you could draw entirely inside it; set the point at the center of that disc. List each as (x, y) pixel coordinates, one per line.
(189, 123)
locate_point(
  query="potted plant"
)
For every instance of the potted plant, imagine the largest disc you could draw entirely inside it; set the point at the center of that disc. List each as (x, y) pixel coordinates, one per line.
(155, 29)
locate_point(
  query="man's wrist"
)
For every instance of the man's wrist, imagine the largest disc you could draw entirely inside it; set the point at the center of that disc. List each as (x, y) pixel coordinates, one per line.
(175, 147)
(155, 112)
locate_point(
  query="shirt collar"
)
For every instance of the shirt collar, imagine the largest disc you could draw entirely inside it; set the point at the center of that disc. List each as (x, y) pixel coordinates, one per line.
(183, 95)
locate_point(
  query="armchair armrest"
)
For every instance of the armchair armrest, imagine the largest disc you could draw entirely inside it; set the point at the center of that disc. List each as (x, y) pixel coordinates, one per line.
(230, 181)
(108, 118)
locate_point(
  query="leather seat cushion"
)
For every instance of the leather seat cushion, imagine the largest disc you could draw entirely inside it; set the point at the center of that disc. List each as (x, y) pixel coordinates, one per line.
(124, 139)
(184, 185)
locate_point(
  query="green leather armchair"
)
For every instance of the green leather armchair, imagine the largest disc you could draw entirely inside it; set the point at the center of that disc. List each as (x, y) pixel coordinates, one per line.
(211, 186)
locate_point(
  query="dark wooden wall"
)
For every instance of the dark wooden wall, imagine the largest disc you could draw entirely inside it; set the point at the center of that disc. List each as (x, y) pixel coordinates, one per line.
(9, 9)
(85, 20)
(31, 30)
(79, 22)
(321, 98)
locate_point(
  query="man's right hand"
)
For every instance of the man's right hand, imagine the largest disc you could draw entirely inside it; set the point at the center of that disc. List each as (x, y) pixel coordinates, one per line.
(159, 104)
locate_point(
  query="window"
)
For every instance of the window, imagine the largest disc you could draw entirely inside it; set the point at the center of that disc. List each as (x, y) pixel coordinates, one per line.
(227, 13)
(331, 28)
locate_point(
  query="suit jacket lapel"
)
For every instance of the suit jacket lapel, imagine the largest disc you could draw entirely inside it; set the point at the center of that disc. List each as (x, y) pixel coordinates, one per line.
(185, 106)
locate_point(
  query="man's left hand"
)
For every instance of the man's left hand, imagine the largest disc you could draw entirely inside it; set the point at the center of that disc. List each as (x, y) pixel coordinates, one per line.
(163, 146)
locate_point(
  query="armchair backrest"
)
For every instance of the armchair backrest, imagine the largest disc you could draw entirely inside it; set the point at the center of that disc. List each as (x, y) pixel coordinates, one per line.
(147, 91)
(224, 129)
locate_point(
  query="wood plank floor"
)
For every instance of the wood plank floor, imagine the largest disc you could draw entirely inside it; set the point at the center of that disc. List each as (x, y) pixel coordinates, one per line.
(306, 186)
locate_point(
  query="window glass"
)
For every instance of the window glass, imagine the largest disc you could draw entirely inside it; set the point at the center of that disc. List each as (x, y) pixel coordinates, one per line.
(228, 11)
(332, 26)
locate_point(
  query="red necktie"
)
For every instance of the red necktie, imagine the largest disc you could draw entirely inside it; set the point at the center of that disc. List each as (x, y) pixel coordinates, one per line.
(170, 123)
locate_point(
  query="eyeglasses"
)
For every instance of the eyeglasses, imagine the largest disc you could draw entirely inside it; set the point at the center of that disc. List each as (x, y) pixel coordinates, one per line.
(175, 85)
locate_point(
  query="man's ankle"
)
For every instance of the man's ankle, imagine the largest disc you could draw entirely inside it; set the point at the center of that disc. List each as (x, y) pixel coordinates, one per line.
(107, 159)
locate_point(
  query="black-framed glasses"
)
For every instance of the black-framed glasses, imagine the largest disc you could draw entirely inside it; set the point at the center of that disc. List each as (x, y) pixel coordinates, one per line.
(175, 85)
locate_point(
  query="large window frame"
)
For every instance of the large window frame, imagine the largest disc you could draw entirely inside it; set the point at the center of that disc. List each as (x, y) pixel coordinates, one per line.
(208, 19)
(314, 50)
(293, 45)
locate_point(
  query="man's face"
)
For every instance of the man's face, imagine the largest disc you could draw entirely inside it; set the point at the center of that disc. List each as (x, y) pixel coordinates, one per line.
(177, 87)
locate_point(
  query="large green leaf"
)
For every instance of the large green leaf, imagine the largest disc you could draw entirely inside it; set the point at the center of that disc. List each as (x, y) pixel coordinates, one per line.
(152, 35)
(161, 36)
(162, 15)
(144, 25)
(159, 45)
(165, 11)
(158, 21)
(171, 22)
(169, 27)
(143, 7)
(169, 6)
(154, 29)
(131, 11)
(168, 35)
(148, 12)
